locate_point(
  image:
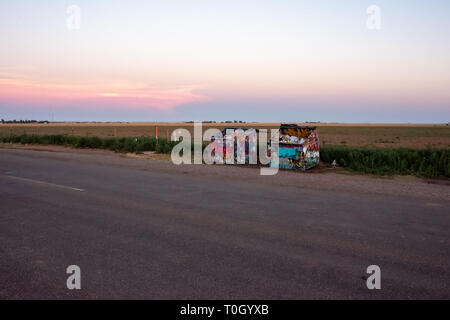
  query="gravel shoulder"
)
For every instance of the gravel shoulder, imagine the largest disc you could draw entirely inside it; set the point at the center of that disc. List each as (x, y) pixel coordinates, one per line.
(316, 179)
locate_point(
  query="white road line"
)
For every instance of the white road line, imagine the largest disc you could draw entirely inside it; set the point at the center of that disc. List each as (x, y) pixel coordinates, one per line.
(44, 183)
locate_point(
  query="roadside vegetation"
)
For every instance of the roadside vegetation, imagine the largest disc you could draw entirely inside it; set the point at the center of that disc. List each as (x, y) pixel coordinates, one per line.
(427, 163)
(122, 144)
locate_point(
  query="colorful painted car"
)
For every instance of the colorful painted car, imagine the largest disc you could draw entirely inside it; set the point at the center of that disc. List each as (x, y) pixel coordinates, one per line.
(298, 147)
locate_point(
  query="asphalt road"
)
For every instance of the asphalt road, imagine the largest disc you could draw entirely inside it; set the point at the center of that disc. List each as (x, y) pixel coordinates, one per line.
(141, 230)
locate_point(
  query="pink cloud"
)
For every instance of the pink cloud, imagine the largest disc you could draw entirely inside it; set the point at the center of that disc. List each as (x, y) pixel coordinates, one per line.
(130, 94)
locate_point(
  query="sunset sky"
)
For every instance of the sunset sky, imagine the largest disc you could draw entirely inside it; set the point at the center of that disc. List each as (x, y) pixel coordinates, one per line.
(277, 60)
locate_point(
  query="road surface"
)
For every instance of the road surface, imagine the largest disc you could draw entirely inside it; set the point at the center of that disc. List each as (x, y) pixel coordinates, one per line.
(142, 229)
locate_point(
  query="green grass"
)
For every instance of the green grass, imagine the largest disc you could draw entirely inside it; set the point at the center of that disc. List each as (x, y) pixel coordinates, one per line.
(138, 145)
(428, 163)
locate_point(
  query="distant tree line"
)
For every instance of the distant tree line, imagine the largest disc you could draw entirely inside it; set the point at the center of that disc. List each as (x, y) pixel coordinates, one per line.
(24, 121)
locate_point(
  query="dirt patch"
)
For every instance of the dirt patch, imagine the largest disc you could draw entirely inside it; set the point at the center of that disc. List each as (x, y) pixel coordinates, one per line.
(52, 148)
(150, 155)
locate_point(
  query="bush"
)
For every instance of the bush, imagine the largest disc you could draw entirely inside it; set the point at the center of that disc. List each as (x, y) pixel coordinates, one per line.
(429, 163)
(146, 144)
(138, 145)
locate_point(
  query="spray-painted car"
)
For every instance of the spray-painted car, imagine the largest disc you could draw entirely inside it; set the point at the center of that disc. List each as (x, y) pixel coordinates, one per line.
(230, 139)
(298, 147)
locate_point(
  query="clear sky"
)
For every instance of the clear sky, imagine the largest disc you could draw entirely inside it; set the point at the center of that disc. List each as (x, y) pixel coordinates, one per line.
(262, 60)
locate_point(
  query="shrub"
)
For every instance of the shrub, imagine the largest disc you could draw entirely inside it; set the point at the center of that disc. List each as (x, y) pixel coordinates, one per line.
(140, 144)
(430, 163)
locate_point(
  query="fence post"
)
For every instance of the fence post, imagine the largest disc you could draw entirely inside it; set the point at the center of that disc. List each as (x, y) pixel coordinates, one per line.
(156, 132)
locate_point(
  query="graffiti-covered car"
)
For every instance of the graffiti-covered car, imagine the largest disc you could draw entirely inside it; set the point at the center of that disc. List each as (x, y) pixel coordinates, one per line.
(240, 142)
(298, 147)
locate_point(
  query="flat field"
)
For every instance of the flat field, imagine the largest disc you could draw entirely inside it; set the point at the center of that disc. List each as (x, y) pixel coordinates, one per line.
(379, 135)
